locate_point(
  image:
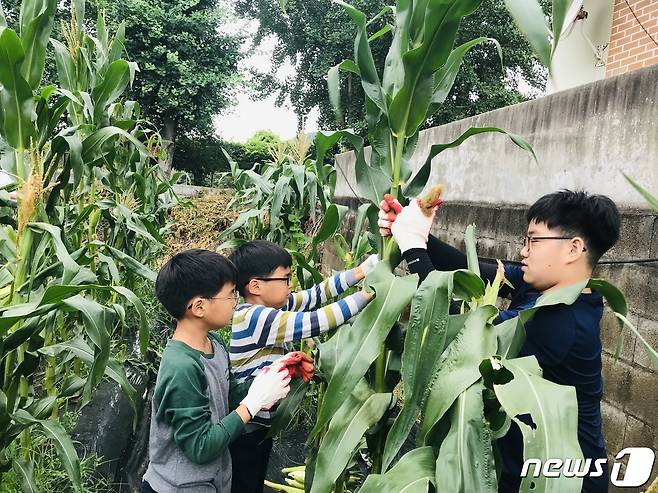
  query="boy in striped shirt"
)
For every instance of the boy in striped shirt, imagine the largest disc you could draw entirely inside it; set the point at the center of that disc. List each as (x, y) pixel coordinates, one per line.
(271, 317)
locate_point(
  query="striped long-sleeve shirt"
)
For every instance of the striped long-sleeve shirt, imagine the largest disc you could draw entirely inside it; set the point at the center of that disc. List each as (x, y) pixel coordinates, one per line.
(260, 333)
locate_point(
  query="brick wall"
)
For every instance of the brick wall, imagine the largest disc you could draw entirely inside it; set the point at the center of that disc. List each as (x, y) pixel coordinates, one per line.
(630, 46)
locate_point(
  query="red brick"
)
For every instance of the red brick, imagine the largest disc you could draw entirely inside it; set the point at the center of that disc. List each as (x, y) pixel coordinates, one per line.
(613, 65)
(618, 12)
(640, 5)
(635, 66)
(627, 35)
(626, 25)
(639, 35)
(614, 55)
(628, 46)
(647, 20)
(636, 51)
(650, 61)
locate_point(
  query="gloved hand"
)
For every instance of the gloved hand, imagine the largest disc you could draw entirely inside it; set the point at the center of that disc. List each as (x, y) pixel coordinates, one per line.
(389, 208)
(299, 364)
(411, 227)
(369, 264)
(270, 386)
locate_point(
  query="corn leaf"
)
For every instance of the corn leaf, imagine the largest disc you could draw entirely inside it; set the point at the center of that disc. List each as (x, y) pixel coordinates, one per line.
(511, 332)
(446, 75)
(61, 440)
(36, 20)
(411, 103)
(113, 370)
(651, 200)
(416, 185)
(366, 336)
(413, 473)
(554, 412)
(24, 469)
(371, 181)
(363, 58)
(531, 21)
(466, 460)
(330, 222)
(458, 367)
(424, 340)
(16, 97)
(344, 434)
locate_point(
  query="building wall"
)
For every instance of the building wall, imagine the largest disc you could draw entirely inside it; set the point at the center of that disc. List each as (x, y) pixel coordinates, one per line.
(583, 138)
(631, 48)
(575, 62)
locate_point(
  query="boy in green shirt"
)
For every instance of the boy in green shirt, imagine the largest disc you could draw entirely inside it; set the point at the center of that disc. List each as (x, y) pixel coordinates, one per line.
(198, 408)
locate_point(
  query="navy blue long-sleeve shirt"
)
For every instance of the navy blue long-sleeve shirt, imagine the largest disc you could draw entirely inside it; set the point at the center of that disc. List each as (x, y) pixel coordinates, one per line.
(566, 341)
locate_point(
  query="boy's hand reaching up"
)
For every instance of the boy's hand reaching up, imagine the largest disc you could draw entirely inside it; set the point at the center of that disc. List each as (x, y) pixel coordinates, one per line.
(389, 208)
(410, 226)
(366, 267)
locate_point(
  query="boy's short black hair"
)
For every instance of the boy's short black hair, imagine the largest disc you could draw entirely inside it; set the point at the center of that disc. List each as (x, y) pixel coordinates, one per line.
(595, 218)
(258, 258)
(191, 273)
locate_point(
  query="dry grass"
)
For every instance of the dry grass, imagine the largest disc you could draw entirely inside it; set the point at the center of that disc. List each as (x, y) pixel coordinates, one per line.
(198, 222)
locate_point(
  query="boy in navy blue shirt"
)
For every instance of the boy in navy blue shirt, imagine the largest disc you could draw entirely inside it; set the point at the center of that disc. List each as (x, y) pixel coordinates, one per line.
(567, 234)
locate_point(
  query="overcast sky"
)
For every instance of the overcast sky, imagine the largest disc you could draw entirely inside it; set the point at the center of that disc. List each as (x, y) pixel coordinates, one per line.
(242, 121)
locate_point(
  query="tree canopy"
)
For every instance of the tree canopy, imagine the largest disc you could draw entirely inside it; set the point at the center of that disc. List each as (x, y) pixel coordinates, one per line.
(317, 35)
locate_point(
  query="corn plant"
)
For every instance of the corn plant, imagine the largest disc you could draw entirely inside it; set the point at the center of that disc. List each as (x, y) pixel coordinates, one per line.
(289, 201)
(91, 198)
(461, 376)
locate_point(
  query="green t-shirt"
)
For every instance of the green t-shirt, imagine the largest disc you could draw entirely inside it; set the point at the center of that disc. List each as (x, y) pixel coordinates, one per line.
(191, 422)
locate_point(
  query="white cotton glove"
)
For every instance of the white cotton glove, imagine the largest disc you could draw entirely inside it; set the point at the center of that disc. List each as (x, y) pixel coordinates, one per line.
(369, 264)
(268, 388)
(411, 227)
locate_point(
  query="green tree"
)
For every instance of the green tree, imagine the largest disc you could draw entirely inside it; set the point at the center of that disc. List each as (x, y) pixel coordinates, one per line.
(259, 145)
(481, 84)
(201, 157)
(317, 35)
(188, 66)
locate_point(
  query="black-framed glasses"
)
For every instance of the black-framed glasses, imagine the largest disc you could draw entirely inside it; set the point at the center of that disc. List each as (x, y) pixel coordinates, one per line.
(233, 297)
(287, 279)
(528, 239)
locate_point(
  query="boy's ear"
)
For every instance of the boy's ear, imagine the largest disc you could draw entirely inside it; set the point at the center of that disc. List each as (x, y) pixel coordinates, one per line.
(253, 287)
(197, 310)
(578, 248)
